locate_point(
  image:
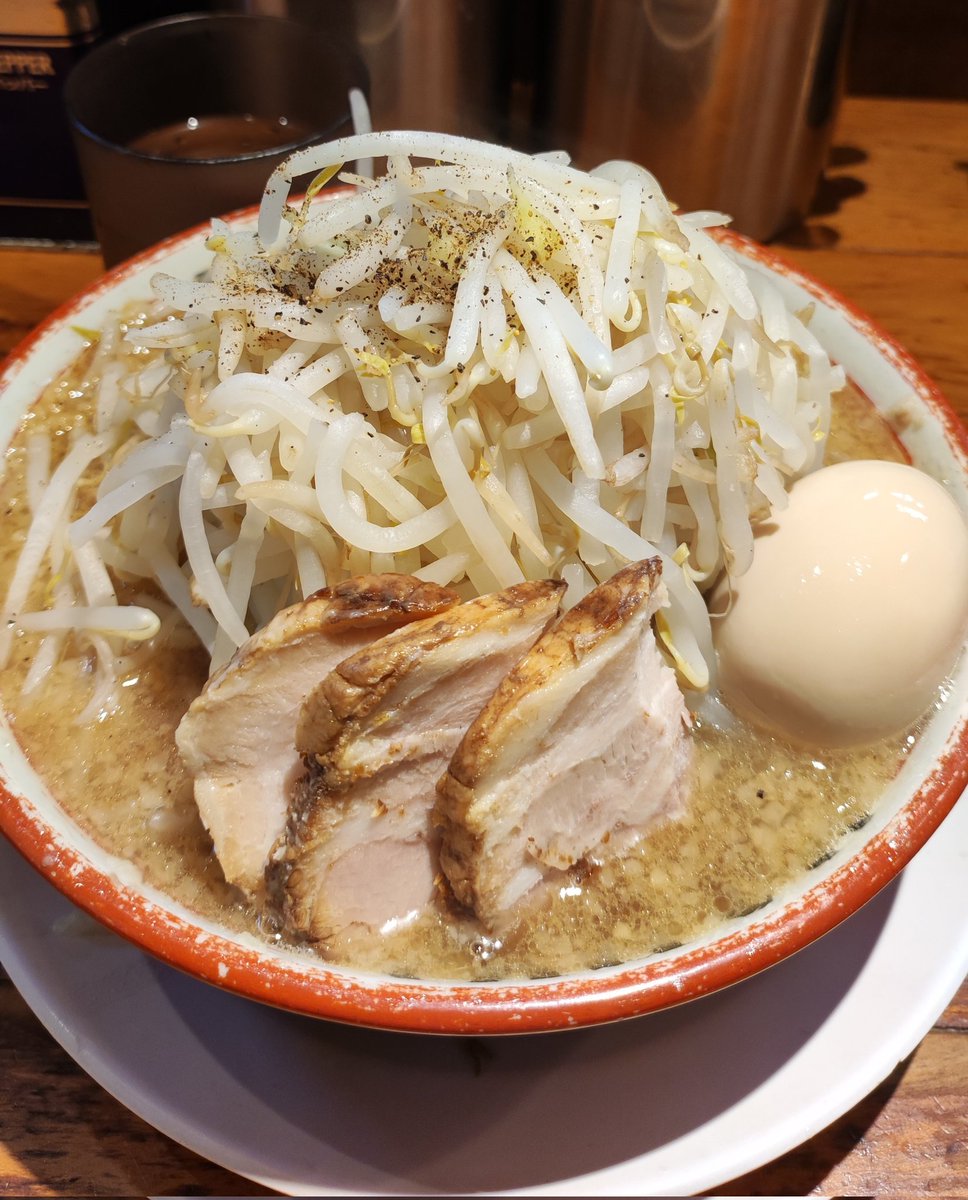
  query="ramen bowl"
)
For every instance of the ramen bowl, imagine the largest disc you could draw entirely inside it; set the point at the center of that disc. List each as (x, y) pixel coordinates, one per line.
(911, 809)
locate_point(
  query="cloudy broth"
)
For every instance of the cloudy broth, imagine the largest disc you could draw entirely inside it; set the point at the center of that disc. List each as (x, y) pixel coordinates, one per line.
(760, 814)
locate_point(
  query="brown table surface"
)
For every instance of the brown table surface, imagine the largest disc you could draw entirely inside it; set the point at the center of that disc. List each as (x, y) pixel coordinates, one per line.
(889, 230)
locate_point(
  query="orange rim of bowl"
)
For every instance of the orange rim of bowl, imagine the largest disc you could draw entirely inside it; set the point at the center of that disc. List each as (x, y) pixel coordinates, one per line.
(315, 988)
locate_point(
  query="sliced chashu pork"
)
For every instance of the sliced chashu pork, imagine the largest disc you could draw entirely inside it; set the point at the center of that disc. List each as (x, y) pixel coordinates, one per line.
(238, 736)
(360, 852)
(582, 747)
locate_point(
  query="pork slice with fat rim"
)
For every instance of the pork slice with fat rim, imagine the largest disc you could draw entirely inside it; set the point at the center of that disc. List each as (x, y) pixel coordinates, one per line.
(581, 749)
(360, 851)
(238, 736)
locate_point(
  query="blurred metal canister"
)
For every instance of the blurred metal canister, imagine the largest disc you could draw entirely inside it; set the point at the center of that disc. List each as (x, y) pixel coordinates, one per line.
(730, 103)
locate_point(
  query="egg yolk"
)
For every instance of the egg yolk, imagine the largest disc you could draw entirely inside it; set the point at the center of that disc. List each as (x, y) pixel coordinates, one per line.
(854, 610)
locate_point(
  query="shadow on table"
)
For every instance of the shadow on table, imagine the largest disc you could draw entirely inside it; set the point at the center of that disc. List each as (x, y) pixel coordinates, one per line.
(835, 188)
(409, 1112)
(804, 1170)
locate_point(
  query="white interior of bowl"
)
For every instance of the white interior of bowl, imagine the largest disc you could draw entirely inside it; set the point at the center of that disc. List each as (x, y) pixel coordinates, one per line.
(882, 372)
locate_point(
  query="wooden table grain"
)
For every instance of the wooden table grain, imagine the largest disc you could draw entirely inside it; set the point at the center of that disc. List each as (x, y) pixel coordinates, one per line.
(888, 230)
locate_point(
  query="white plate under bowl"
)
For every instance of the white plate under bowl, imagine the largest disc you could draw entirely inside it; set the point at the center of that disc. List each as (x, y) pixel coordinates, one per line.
(667, 1104)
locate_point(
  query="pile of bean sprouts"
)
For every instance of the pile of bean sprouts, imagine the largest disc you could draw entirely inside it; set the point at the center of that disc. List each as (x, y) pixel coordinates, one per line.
(477, 368)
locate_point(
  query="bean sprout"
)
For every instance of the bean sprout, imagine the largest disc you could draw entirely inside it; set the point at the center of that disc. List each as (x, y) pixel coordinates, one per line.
(489, 368)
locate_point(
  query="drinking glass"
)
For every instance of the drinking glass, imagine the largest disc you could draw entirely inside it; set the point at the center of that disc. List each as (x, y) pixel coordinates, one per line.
(183, 119)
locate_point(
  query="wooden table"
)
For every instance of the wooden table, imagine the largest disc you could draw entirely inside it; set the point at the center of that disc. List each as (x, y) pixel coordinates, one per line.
(889, 231)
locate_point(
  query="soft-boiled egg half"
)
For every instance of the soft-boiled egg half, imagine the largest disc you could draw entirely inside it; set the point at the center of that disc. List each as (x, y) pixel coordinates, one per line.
(854, 610)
